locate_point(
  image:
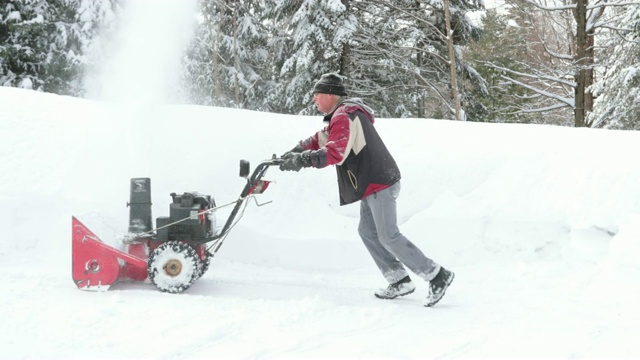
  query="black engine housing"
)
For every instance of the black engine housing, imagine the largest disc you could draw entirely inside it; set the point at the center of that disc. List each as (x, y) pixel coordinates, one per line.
(190, 206)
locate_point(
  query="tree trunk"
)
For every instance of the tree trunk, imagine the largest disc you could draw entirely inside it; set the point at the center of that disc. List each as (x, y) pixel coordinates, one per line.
(589, 77)
(582, 73)
(236, 63)
(215, 60)
(419, 63)
(345, 58)
(452, 62)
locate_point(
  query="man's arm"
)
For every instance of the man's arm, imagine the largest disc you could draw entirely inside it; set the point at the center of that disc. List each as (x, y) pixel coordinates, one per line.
(332, 142)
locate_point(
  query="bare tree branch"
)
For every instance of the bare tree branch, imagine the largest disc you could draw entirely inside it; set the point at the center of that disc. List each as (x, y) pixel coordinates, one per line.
(569, 102)
(531, 76)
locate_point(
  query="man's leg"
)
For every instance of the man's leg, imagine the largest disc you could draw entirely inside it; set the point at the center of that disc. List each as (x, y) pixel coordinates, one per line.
(390, 267)
(382, 206)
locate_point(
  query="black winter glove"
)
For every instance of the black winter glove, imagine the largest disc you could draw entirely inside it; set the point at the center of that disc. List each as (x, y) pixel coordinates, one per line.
(296, 161)
(297, 149)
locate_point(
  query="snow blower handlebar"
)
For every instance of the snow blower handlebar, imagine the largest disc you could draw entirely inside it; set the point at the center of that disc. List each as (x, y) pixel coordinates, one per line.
(255, 185)
(259, 171)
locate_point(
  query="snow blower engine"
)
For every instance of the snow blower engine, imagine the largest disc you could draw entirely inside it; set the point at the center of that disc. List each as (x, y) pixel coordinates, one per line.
(172, 255)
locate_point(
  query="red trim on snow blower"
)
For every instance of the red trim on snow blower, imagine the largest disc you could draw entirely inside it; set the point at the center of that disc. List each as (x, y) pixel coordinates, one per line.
(96, 265)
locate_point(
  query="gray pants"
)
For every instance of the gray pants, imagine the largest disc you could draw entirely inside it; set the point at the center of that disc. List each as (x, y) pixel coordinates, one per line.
(389, 248)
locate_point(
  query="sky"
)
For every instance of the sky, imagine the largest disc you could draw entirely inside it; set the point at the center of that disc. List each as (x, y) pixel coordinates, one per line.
(539, 223)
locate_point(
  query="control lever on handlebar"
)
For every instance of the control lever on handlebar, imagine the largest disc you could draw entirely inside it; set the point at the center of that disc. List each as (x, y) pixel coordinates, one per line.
(276, 160)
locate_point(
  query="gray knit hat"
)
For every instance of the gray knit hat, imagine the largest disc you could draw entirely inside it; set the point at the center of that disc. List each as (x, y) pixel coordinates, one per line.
(330, 84)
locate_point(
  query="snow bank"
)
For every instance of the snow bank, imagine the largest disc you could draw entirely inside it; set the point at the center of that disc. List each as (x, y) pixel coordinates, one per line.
(68, 156)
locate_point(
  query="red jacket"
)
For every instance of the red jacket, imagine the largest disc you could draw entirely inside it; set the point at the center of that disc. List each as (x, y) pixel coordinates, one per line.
(351, 142)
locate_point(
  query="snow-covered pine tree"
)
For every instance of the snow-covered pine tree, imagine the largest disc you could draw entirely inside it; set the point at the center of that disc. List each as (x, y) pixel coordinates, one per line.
(227, 62)
(617, 91)
(24, 46)
(393, 53)
(43, 42)
(314, 40)
(501, 45)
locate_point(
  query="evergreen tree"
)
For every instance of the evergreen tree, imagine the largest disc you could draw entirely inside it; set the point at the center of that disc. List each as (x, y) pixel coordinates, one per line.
(319, 32)
(25, 49)
(43, 43)
(617, 105)
(500, 45)
(393, 53)
(225, 64)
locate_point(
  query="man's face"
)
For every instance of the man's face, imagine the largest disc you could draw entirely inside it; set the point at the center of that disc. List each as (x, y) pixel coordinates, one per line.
(324, 102)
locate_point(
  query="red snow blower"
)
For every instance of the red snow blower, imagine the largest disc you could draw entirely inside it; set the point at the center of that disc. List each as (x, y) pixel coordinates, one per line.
(172, 255)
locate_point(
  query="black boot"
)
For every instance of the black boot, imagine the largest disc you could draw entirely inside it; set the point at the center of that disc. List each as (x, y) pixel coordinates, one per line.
(400, 288)
(438, 286)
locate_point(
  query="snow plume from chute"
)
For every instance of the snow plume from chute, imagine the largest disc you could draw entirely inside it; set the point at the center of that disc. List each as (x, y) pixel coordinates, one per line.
(140, 59)
(138, 67)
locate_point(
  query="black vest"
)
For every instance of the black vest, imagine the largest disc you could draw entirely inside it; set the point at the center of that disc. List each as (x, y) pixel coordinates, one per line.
(370, 170)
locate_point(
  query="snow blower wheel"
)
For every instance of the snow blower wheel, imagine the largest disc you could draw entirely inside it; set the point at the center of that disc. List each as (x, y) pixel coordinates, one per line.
(173, 267)
(204, 265)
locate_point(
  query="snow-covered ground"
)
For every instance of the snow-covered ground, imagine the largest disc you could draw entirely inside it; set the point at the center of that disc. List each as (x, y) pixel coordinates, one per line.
(540, 224)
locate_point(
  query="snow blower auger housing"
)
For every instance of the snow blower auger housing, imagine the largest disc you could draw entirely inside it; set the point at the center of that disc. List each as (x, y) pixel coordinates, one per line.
(172, 255)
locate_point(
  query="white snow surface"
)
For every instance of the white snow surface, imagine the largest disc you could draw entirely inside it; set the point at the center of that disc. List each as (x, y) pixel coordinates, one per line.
(541, 225)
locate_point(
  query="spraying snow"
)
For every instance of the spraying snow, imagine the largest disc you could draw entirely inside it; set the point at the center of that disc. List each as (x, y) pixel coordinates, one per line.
(140, 61)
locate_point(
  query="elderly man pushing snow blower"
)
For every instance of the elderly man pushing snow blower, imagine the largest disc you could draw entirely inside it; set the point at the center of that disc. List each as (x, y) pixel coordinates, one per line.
(366, 172)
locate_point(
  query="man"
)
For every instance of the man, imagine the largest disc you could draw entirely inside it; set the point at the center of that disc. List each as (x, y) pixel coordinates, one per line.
(366, 172)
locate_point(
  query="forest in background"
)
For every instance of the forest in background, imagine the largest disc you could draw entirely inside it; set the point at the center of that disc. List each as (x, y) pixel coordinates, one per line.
(561, 62)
